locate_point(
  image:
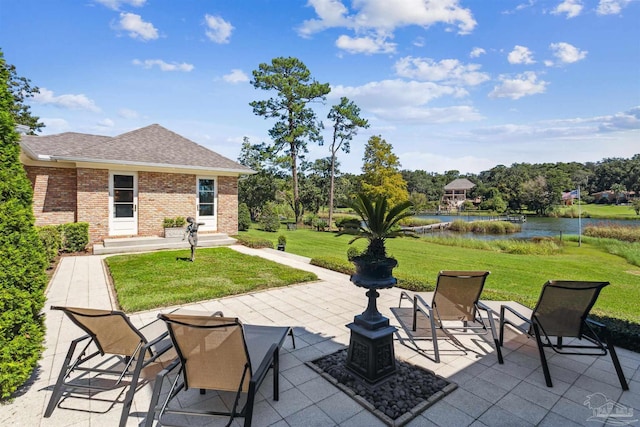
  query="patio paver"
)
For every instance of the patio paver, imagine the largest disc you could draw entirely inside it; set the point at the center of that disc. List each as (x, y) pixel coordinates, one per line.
(488, 393)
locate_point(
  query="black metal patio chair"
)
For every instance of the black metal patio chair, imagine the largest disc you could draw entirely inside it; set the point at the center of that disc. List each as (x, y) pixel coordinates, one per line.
(561, 312)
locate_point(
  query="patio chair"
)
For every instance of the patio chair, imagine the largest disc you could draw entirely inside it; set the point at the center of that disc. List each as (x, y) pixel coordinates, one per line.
(561, 312)
(454, 307)
(222, 354)
(119, 350)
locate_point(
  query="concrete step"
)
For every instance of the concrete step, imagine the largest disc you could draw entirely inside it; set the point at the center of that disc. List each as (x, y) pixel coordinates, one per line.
(146, 244)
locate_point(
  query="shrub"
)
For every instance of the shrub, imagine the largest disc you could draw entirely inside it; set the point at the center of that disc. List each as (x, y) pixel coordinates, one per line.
(347, 223)
(75, 236)
(168, 223)
(309, 220)
(180, 221)
(244, 217)
(352, 252)
(23, 261)
(51, 241)
(320, 224)
(269, 218)
(334, 263)
(254, 242)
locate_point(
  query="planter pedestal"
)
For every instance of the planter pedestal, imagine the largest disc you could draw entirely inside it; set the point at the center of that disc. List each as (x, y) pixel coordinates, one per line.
(371, 355)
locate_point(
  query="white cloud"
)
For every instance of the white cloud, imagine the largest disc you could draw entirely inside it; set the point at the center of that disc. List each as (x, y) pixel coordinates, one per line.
(522, 85)
(611, 7)
(406, 101)
(106, 123)
(164, 66)
(566, 53)
(55, 125)
(236, 76)
(136, 27)
(71, 102)
(447, 70)
(365, 45)
(218, 30)
(374, 21)
(476, 52)
(520, 55)
(571, 8)
(127, 113)
(115, 4)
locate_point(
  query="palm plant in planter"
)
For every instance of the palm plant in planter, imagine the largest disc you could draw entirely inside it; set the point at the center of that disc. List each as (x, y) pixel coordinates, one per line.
(371, 354)
(379, 222)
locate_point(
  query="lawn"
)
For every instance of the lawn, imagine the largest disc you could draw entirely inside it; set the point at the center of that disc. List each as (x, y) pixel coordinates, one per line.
(166, 278)
(513, 277)
(602, 211)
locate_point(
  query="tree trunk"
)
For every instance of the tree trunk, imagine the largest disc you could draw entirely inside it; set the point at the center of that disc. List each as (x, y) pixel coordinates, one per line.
(331, 181)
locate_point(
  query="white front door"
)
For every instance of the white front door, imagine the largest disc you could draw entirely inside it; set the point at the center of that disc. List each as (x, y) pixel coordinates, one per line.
(123, 203)
(207, 203)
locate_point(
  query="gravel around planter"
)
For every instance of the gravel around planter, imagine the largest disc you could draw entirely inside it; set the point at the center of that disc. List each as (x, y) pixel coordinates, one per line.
(395, 400)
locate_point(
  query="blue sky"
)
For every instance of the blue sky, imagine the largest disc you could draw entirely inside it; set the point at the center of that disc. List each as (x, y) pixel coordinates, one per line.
(451, 84)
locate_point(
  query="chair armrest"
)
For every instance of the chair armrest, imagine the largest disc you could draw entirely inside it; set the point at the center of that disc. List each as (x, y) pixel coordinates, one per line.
(418, 300)
(595, 323)
(520, 316)
(168, 369)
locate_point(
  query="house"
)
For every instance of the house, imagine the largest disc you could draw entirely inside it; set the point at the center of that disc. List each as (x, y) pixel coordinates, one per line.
(455, 193)
(126, 185)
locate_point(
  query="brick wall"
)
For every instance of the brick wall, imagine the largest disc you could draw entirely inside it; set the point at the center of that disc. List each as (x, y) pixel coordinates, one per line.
(54, 194)
(163, 195)
(228, 204)
(93, 202)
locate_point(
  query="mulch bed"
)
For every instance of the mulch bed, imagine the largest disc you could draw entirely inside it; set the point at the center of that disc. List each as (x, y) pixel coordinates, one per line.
(397, 399)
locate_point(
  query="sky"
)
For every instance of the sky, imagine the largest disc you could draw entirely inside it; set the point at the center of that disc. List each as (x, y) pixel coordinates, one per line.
(451, 84)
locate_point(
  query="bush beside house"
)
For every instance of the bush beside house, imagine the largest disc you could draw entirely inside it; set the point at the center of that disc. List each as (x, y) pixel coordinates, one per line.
(23, 261)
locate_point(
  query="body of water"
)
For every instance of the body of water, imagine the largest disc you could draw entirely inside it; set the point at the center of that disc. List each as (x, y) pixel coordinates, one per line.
(534, 227)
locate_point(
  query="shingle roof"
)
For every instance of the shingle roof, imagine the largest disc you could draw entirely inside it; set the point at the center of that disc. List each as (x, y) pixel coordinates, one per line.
(460, 184)
(151, 145)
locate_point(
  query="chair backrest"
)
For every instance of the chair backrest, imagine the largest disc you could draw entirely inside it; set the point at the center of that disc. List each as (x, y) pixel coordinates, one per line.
(212, 350)
(456, 294)
(564, 305)
(111, 330)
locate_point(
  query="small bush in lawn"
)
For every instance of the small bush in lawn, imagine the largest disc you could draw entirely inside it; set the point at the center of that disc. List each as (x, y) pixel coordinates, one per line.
(75, 236)
(269, 218)
(51, 240)
(254, 242)
(244, 217)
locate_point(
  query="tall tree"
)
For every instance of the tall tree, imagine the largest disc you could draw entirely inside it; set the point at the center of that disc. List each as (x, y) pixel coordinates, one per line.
(296, 123)
(22, 264)
(346, 121)
(257, 189)
(381, 172)
(20, 89)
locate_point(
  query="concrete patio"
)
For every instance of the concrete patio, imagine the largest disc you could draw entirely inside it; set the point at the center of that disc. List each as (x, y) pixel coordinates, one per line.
(513, 394)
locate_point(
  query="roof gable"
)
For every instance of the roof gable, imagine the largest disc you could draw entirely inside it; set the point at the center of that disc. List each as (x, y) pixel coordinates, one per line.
(460, 184)
(151, 145)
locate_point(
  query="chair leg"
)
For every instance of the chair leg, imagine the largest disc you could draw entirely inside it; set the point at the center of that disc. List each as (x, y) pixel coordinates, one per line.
(293, 339)
(128, 400)
(492, 326)
(434, 337)
(276, 375)
(543, 357)
(58, 389)
(415, 314)
(616, 364)
(501, 339)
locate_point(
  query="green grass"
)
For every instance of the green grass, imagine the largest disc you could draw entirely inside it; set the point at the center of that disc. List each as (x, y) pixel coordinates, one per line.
(517, 277)
(600, 211)
(164, 278)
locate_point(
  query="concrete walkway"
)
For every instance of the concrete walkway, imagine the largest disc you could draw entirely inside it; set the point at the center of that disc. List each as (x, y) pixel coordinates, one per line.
(513, 394)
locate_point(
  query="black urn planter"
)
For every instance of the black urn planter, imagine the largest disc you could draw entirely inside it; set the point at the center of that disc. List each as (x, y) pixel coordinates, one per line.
(374, 273)
(371, 355)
